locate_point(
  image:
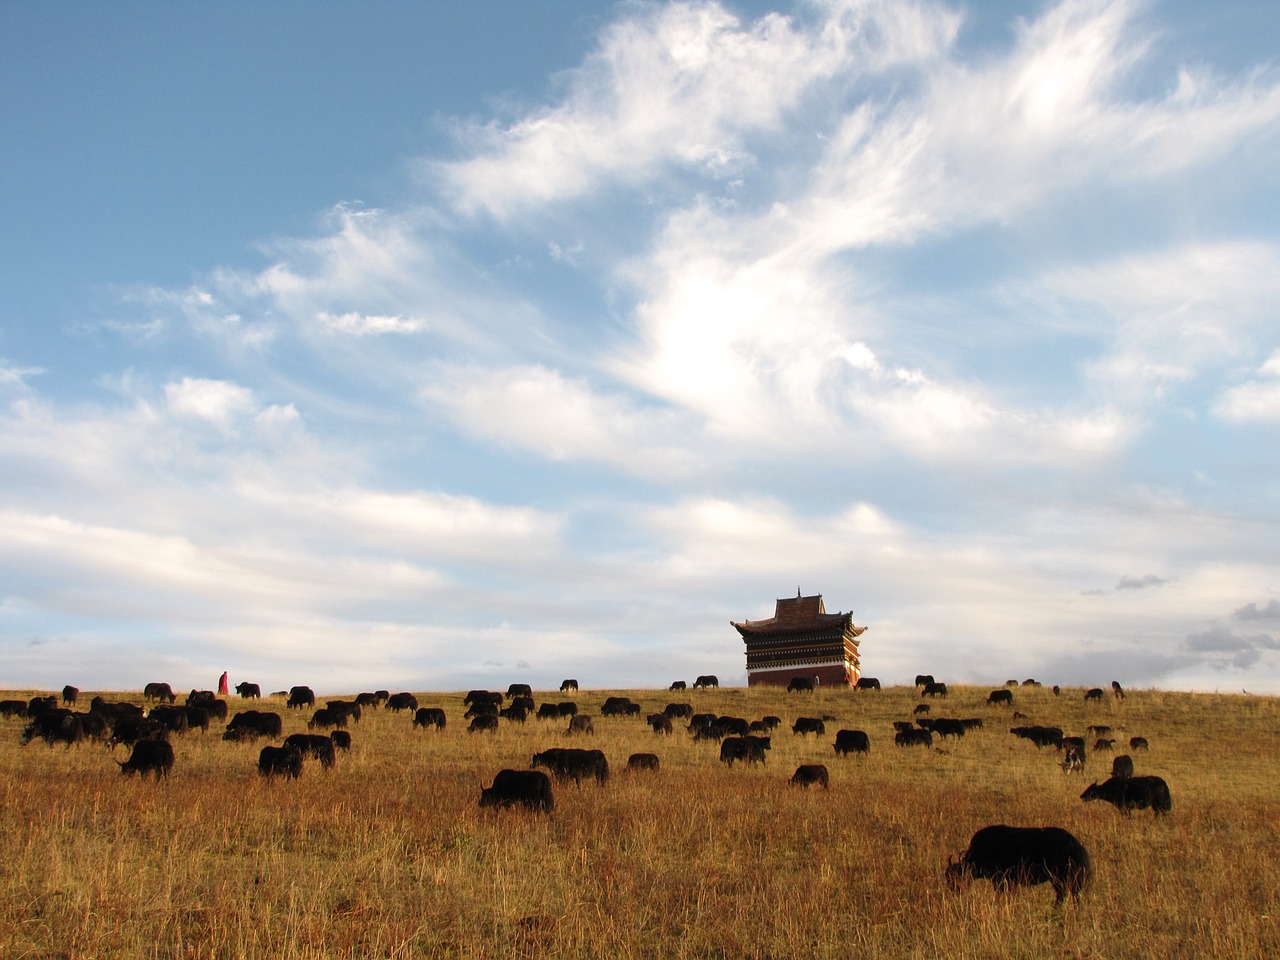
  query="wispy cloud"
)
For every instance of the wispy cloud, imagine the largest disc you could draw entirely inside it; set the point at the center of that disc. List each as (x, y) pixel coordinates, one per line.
(1144, 582)
(681, 85)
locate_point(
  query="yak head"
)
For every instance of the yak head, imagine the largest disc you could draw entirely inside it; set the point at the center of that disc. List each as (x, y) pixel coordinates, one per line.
(1091, 792)
(957, 870)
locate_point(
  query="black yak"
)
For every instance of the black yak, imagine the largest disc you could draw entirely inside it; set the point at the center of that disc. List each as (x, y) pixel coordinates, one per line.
(530, 789)
(280, 761)
(852, 741)
(155, 756)
(1132, 793)
(810, 773)
(1025, 856)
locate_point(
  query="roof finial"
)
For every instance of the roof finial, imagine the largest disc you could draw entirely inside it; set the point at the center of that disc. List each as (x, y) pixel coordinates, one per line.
(797, 591)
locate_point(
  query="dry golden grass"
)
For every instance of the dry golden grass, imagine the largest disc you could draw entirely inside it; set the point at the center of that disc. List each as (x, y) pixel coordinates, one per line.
(387, 855)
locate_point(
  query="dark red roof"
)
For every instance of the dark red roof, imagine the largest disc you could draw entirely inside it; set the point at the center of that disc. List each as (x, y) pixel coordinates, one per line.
(797, 615)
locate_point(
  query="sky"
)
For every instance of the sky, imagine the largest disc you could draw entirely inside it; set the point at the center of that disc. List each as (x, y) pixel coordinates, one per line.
(441, 346)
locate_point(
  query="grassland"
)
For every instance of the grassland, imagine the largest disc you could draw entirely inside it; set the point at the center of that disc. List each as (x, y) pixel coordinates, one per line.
(388, 855)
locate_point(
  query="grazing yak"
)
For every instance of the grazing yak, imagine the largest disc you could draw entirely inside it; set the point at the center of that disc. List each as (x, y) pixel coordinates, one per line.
(852, 741)
(347, 709)
(280, 762)
(573, 763)
(69, 695)
(660, 722)
(1116, 690)
(727, 726)
(934, 689)
(149, 756)
(867, 683)
(1139, 743)
(485, 724)
(215, 707)
(248, 691)
(945, 727)
(313, 745)
(327, 717)
(617, 707)
(924, 679)
(800, 685)
(517, 712)
(581, 723)
(13, 708)
(519, 690)
(55, 726)
(805, 725)
(482, 708)
(174, 717)
(158, 691)
(300, 697)
(530, 789)
(1132, 793)
(1024, 856)
(678, 710)
(258, 723)
(707, 681)
(130, 729)
(402, 701)
(341, 740)
(810, 773)
(547, 711)
(748, 749)
(569, 686)
(678, 685)
(1040, 736)
(913, 738)
(429, 717)
(642, 761)
(1094, 693)
(1000, 696)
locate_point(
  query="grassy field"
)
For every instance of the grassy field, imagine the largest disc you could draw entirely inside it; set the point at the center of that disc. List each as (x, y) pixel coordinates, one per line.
(388, 854)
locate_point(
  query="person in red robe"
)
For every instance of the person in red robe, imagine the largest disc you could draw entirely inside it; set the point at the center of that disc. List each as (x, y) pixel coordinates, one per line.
(222, 683)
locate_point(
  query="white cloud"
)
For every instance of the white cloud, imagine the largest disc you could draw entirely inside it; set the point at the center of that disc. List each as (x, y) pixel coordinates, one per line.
(11, 376)
(1255, 401)
(537, 409)
(1250, 402)
(362, 325)
(1175, 314)
(217, 401)
(682, 84)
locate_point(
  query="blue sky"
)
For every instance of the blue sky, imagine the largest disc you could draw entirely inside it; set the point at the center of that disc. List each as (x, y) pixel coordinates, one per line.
(408, 346)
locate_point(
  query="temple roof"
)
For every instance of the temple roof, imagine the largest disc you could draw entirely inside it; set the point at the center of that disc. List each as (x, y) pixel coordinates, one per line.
(799, 615)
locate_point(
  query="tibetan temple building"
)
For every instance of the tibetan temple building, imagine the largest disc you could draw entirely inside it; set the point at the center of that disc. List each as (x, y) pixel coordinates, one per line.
(802, 640)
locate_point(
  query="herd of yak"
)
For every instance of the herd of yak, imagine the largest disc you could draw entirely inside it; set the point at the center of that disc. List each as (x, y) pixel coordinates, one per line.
(1008, 856)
